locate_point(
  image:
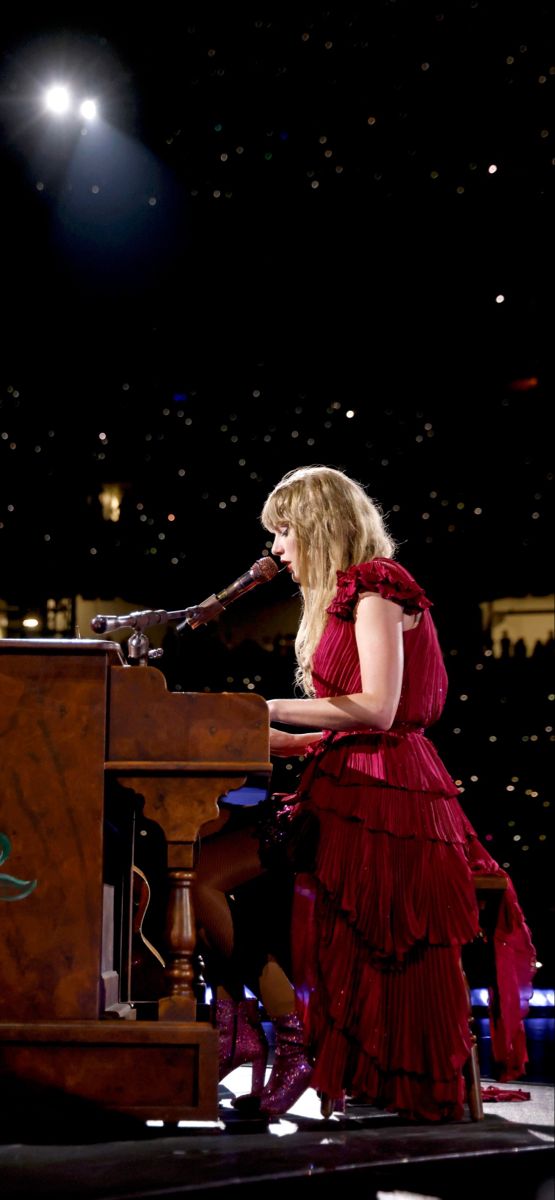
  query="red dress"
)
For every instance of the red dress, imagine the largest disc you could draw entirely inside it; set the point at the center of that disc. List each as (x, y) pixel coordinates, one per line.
(378, 927)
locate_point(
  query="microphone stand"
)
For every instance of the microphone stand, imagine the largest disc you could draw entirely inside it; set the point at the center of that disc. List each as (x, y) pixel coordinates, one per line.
(139, 653)
(138, 647)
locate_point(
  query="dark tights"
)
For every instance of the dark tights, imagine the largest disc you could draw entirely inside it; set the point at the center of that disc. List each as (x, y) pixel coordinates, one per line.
(232, 917)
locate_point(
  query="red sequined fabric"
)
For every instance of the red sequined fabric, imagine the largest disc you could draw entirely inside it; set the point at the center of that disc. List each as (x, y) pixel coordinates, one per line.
(379, 925)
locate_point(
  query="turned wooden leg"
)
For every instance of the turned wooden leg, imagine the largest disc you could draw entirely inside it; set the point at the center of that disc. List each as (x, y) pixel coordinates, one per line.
(179, 1002)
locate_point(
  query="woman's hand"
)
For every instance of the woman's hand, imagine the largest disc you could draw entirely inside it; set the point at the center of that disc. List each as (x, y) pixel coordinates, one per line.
(291, 745)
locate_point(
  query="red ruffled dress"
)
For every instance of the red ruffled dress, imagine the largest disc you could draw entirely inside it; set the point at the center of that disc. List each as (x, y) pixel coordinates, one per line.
(378, 927)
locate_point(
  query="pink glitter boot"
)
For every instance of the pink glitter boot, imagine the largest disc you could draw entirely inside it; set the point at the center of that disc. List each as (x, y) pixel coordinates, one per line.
(242, 1040)
(291, 1072)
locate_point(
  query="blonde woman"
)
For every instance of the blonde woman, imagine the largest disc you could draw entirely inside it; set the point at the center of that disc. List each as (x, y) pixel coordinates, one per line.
(380, 919)
(379, 923)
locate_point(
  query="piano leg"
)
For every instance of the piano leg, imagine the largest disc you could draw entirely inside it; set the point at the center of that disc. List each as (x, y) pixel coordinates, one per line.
(179, 1001)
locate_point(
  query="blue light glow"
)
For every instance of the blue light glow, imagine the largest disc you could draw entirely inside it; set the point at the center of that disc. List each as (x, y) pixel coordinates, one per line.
(541, 998)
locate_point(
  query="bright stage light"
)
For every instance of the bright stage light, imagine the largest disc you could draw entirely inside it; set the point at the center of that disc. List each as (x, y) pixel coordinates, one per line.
(57, 100)
(88, 110)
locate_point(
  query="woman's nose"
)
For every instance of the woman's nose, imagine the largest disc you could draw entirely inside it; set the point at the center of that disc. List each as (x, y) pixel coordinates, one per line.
(276, 548)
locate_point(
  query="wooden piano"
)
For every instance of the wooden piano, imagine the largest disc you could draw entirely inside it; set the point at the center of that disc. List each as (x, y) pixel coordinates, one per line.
(83, 737)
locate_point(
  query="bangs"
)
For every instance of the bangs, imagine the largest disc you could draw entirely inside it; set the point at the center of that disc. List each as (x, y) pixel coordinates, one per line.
(276, 510)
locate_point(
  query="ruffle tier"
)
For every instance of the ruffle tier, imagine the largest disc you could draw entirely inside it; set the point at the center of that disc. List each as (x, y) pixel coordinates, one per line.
(399, 757)
(407, 887)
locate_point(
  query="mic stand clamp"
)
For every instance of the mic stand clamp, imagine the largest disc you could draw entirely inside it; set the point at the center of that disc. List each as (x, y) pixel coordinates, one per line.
(138, 652)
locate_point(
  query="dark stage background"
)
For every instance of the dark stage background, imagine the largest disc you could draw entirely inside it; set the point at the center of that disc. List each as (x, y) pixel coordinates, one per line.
(296, 234)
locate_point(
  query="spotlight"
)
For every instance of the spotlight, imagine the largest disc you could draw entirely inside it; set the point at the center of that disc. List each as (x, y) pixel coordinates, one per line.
(57, 100)
(88, 110)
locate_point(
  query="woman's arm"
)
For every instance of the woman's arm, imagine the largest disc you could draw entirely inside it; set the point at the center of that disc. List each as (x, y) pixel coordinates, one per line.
(379, 637)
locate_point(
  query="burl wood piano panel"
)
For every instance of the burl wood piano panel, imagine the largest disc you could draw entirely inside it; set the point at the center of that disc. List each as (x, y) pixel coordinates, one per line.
(149, 1069)
(52, 734)
(148, 723)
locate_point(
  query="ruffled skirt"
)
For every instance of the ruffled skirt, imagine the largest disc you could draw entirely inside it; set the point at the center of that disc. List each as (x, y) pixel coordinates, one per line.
(379, 925)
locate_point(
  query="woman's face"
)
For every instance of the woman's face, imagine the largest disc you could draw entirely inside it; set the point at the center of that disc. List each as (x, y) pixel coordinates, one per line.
(286, 549)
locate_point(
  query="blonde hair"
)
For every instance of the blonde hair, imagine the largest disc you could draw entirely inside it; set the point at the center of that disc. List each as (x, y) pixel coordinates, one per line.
(336, 524)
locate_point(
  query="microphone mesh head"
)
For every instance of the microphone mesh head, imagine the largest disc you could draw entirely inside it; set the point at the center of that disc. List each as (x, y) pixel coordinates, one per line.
(264, 569)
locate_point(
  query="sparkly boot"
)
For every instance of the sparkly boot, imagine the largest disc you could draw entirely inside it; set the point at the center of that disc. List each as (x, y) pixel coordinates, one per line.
(242, 1040)
(291, 1072)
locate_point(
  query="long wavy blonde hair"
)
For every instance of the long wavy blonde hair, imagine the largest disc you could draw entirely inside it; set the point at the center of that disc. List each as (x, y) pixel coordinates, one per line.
(336, 524)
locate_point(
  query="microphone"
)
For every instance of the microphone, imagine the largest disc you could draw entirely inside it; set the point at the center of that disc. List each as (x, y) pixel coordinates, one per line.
(261, 571)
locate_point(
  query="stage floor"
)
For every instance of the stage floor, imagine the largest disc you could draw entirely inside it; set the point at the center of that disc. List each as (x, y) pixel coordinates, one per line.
(510, 1152)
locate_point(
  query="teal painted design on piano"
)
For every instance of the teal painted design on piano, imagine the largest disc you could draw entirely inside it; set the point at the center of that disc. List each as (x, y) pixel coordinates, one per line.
(10, 887)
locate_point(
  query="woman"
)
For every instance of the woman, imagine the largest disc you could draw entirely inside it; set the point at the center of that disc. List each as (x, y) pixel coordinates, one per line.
(378, 926)
(379, 923)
